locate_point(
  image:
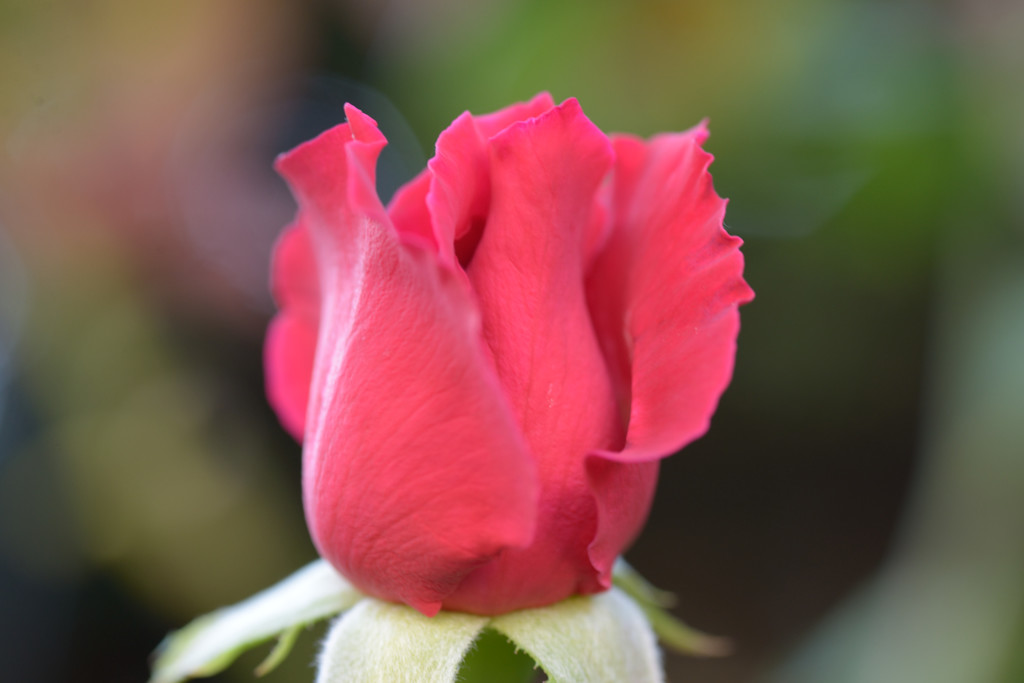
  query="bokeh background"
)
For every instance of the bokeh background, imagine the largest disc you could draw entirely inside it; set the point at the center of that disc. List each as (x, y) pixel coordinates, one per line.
(856, 513)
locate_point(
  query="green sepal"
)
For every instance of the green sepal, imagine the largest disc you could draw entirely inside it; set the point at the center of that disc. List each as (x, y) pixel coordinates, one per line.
(210, 643)
(682, 638)
(602, 638)
(284, 645)
(639, 588)
(382, 642)
(672, 632)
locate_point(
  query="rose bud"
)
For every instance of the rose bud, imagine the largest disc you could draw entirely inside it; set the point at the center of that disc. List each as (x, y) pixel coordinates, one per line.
(486, 373)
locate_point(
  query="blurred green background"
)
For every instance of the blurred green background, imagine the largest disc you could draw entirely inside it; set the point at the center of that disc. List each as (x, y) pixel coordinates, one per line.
(855, 514)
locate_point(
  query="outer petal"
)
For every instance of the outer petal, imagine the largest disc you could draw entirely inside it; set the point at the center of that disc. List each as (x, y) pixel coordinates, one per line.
(414, 471)
(288, 356)
(528, 275)
(664, 294)
(291, 339)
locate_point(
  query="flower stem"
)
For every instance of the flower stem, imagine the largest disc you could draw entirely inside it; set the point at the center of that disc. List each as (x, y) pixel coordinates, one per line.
(494, 659)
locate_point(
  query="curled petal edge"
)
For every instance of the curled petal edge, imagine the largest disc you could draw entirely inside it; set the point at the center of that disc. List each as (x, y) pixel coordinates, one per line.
(673, 338)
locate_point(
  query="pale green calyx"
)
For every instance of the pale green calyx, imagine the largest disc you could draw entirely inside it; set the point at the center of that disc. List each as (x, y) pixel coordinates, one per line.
(596, 638)
(601, 637)
(211, 642)
(387, 643)
(671, 632)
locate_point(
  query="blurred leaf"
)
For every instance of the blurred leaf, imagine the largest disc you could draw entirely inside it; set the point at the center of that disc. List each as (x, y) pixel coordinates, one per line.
(945, 608)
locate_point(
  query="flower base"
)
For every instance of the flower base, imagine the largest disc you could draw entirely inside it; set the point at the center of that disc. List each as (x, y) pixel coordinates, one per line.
(609, 636)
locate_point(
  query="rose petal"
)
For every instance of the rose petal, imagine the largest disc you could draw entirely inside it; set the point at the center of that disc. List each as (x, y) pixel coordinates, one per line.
(293, 273)
(414, 470)
(495, 122)
(623, 492)
(291, 338)
(460, 187)
(528, 276)
(408, 213)
(450, 198)
(664, 294)
(288, 356)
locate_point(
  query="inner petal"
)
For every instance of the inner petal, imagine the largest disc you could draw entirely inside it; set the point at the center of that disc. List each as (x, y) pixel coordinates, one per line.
(528, 274)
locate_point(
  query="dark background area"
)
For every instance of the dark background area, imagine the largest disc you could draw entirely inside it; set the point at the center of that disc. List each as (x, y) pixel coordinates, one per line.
(856, 512)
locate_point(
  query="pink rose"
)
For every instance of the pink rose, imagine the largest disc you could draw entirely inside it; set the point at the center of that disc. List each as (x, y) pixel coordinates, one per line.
(486, 373)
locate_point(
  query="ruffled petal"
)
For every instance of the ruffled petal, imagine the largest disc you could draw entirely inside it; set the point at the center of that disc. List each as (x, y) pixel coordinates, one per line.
(493, 123)
(446, 205)
(664, 294)
(528, 275)
(414, 470)
(460, 188)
